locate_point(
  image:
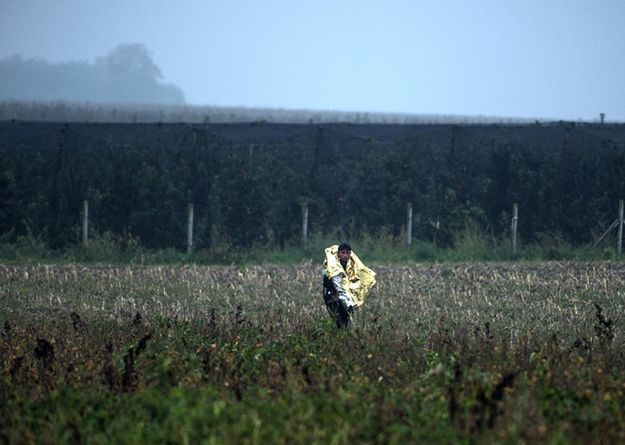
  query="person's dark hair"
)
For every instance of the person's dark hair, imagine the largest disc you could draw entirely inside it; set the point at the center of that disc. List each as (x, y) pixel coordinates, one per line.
(345, 246)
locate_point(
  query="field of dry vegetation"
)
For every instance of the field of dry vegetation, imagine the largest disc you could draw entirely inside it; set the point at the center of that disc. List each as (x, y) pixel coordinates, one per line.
(462, 353)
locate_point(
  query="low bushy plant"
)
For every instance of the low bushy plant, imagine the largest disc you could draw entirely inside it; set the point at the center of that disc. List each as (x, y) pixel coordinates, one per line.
(384, 247)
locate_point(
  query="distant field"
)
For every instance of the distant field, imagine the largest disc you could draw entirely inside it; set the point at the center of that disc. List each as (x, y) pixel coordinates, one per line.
(440, 353)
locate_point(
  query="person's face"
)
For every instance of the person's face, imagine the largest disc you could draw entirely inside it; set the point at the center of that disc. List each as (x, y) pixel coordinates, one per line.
(344, 255)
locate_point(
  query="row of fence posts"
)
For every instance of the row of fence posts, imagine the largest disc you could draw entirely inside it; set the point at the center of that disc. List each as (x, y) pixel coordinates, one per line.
(85, 225)
(515, 224)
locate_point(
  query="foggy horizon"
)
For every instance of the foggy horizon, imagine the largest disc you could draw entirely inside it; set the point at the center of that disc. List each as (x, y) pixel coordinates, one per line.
(79, 95)
(532, 61)
(126, 75)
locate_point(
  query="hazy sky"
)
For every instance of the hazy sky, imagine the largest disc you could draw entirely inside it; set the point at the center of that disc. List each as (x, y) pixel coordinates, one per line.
(518, 58)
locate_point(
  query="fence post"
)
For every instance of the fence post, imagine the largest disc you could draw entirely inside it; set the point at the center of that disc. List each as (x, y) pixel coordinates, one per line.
(190, 230)
(304, 223)
(409, 224)
(515, 224)
(85, 222)
(620, 226)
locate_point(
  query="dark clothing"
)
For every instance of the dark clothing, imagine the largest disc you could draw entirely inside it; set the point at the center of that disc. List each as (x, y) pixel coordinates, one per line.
(337, 308)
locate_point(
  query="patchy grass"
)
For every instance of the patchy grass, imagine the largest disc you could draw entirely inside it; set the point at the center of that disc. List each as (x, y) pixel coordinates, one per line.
(439, 353)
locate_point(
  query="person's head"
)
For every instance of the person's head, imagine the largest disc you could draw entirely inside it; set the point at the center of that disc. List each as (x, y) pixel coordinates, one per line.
(345, 252)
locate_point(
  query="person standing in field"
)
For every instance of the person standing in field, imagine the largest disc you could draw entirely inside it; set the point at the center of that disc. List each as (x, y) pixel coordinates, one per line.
(346, 283)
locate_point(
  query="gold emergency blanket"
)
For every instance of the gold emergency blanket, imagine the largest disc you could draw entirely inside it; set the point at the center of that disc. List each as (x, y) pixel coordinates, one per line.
(358, 279)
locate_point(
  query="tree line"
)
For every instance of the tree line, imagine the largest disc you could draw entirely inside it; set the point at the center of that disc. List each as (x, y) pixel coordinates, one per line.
(126, 75)
(249, 182)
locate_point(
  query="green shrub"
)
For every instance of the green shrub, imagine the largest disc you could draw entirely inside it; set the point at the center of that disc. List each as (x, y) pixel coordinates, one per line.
(471, 243)
(24, 249)
(425, 251)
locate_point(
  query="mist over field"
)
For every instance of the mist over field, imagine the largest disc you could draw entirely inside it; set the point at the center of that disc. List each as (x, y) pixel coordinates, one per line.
(126, 75)
(532, 60)
(126, 85)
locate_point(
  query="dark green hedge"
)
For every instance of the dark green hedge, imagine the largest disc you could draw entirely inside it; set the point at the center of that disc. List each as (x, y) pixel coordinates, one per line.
(248, 181)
